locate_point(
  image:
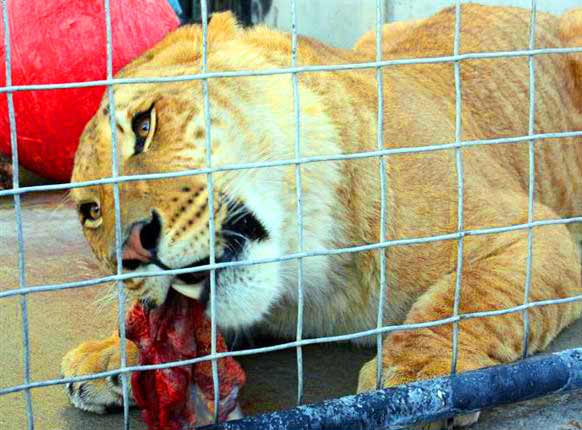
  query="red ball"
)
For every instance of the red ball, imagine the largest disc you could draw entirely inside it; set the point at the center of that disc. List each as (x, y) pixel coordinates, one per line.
(57, 41)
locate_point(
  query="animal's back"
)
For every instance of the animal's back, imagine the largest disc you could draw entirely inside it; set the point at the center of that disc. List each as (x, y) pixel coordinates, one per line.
(495, 95)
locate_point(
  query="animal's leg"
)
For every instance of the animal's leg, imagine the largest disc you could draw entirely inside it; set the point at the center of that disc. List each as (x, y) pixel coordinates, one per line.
(97, 395)
(492, 281)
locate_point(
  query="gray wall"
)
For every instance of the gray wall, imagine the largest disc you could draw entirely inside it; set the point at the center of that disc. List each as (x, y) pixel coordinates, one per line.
(338, 22)
(341, 22)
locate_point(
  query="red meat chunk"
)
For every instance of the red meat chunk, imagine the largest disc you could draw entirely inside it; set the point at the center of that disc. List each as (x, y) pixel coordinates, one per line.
(178, 397)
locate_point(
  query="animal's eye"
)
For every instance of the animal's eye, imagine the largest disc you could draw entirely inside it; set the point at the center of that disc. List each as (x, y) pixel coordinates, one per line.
(143, 125)
(90, 214)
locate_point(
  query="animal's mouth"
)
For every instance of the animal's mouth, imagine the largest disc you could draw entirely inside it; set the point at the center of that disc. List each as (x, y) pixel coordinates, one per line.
(241, 228)
(192, 278)
(196, 285)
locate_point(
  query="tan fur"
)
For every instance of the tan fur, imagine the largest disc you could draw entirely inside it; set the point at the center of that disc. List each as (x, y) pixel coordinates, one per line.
(252, 120)
(571, 35)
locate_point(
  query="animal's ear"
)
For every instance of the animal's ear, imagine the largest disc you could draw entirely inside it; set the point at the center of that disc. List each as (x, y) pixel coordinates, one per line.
(571, 36)
(223, 25)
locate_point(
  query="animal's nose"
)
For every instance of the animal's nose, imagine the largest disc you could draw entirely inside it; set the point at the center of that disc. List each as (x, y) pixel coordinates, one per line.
(142, 241)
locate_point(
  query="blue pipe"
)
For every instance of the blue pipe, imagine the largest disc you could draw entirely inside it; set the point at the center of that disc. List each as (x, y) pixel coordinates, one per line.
(432, 400)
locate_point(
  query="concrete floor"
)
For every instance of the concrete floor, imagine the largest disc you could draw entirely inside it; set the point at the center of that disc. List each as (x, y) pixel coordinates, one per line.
(56, 252)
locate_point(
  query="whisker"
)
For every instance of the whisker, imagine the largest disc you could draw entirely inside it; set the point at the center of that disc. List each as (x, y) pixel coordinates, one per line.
(236, 215)
(234, 233)
(234, 247)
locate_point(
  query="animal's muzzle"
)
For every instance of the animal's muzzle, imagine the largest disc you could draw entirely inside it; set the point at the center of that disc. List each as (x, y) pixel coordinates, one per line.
(141, 244)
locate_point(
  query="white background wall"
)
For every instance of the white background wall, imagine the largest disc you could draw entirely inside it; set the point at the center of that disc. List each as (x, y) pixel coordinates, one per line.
(336, 22)
(342, 22)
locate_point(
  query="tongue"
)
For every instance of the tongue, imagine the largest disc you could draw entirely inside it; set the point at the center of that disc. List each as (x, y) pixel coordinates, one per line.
(178, 397)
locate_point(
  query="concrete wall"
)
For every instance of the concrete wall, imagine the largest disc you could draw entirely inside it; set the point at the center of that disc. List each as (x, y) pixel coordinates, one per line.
(338, 22)
(407, 9)
(341, 22)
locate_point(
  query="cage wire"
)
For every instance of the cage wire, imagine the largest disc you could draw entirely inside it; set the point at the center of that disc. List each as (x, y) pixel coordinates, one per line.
(19, 228)
(385, 407)
(211, 225)
(117, 220)
(531, 179)
(299, 202)
(382, 175)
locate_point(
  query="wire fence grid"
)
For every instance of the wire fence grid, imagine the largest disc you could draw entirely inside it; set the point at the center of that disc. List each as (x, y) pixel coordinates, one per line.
(381, 246)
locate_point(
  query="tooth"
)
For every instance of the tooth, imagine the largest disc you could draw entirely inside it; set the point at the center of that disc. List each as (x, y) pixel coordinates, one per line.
(192, 291)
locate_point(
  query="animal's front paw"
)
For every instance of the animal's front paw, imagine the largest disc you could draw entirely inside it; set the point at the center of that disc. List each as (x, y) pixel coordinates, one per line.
(97, 395)
(397, 375)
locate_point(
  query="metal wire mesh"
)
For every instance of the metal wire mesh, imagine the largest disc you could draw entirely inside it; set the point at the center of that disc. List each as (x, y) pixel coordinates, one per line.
(383, 190)
(531, 181)
(18, 209)
(211, 225)
(460, 186)
(382, 246)
(299, 202)
(117, 219)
